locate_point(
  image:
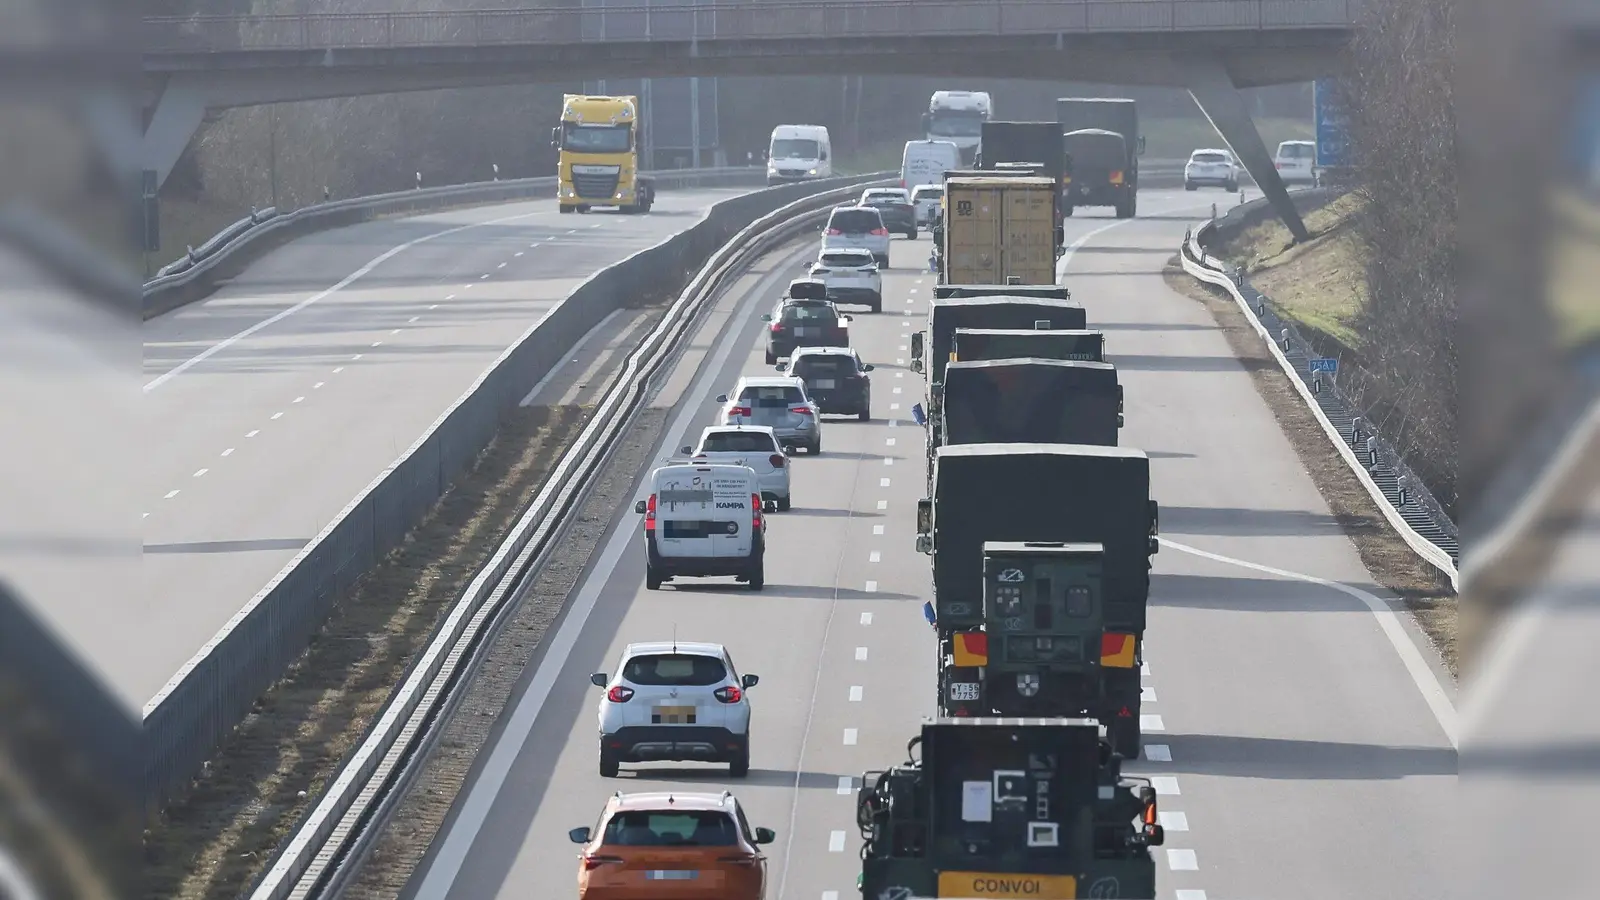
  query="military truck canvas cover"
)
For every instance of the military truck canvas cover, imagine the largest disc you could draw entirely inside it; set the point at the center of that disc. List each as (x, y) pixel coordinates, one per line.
(1040, 492)
(1014, 343)
(1005, 311)
(1021, 401)
(948, 291)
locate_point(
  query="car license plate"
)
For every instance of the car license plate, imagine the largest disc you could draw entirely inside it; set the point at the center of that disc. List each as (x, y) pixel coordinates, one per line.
(672, 715)
(672, 874)
(986, 884)
(802, 332)
(824, 384)
(963, 690)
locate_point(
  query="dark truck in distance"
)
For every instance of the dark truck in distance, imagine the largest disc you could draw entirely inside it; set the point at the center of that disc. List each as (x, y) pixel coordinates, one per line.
(1031, 291)
(1104, 170)
(1034, 143)
(1030, 401)
(1056, 819)
(1011, 343)
(1004, 311)
(1073, 493)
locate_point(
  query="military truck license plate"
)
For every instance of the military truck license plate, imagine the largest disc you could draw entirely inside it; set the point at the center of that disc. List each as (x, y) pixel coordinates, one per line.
(672, 715)
(963, 690)
(985, 884)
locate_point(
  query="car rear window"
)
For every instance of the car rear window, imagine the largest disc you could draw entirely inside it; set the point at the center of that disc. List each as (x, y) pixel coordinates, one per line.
(927, 193)
(681, 669)
(821, 366)
(772, 396)
(738, 442)
(847, 260)
(677, 828)
(855, 221)
(1297, 151)
(1210, 157)
(808, 312)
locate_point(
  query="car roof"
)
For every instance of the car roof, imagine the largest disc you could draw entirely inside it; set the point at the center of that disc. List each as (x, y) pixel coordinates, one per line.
(771, 381)
(655, 800)
(689, 648)
(840, 209)
(824, 351)
(1211, 150)
(759, 429)
(1299, 143)
(849, 251)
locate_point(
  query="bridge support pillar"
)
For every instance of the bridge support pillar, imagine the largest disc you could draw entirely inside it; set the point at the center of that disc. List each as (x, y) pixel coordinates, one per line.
(170, 126)
(1219, 99)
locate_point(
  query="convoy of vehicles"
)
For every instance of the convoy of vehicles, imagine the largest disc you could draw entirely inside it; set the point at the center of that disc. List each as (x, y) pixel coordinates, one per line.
(958, 117)
(799, 153)
(1211, 168)
(1103, 141)
(598, 162)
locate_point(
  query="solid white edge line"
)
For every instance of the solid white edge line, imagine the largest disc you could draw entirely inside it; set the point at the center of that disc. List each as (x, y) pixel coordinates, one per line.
(1444, 712)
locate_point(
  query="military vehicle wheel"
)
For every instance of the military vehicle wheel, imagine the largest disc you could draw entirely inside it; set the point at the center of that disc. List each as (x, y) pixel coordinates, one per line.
(1125, 737)
(864, 415)
(609, 765)
(652, 578)
(739, 766)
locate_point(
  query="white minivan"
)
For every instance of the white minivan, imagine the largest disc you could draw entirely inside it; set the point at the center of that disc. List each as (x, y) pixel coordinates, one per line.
(704, 521)
(799, 153)
(1296, 162)
(925, 162)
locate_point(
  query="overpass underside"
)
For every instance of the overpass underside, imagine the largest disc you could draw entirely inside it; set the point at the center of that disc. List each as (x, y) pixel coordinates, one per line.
(182, 87)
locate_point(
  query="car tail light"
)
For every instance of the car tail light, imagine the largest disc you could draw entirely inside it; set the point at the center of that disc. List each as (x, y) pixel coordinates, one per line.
(1277, 165)
(650, 514)
(590, 863)
(619, 694)
(802, 410)
(776, 459)
(729, 694)
(834, 232)
(879, 232)
(743, 859)
(739, 411)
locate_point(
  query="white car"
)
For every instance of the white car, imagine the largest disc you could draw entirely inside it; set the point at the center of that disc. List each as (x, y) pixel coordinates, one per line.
(779, 402)
(1296, 162)
(852, 276)
(673, 701)
(755, 446)
(857, 227)
(1216, 168)
(926, 201)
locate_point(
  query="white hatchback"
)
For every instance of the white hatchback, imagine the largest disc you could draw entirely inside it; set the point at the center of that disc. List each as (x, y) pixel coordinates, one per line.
(1216, 168)
(753, 446)
(675, 701)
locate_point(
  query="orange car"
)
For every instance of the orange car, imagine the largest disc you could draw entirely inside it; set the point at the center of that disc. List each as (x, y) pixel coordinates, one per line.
(672, 846)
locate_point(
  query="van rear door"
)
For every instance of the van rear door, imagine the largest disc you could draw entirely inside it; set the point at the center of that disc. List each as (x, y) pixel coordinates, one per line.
(733, 489)
(686, 519)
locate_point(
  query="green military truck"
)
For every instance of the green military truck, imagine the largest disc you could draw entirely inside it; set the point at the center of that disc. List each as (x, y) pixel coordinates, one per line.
(1016, 343)
(1042, 493)
(1035, 291)
(1005, 311)
(1005, 808)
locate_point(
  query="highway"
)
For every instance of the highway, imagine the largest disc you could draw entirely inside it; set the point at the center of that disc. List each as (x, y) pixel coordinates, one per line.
(274, 403)
(1294, 749)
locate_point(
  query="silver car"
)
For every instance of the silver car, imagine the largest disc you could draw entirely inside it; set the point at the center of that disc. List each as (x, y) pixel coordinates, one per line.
(857, 228)
(779, 402)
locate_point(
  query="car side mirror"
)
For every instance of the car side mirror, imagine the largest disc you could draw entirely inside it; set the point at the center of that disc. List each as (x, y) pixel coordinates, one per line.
(765, 835)
(1155, 517)
(1120, 420)
(599, 679)
(686, 450)
(750, 681)
(640, 507)
(766, 317)
(722, 398)
(769, 506)
(555, 136)
(1155, 835)
(847, 318)
(579, 835)
(1141, 145)
(782, 364)
(916, 366)
(867, 367)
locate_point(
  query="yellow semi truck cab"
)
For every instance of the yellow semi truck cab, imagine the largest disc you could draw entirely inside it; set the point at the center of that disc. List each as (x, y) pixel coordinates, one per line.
(598, 141)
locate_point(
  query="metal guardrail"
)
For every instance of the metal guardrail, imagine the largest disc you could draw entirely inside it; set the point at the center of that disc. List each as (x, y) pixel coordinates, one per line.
(197, 710)
(370, 780)
(242, 243)
(1399, 494)
(756, 19)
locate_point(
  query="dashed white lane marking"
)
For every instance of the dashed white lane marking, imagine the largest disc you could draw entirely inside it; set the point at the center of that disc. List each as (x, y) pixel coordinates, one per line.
(883, 482)
(299, 400)
(144, 515)
(1158, 752)
(855, 693)
(888, 460)
(913, 290)
(338, 369)
(834, 895)
(170, 495)
(570, 231)
(518, 253)
(899, 374)
(899, 362)
(861, 652)
(905, 324)
(318, 385)
(893, 422)
(847, 785)
(412, 320)
(228, 452)
(377, 343)
(866, 618)
(466, 287)
(872, 587)
(357, 357)
(877, 529)
(253, 433)
(836, 842)
(883, 504)
(434, 306)
(875, 556)
(1144, 669)
(1174, 821)
(597, 225)
(1151, 722)
(1444, 712)
(1165, 785)
(201, 472)
(451, 297)
(501, 266)
(1147, 694)
(894, 406)
(888, 442)
(483, 276)
(394, 331)
(1182, 861)
(849, 737)
(276, 416)
(903, 349)
(897, 390)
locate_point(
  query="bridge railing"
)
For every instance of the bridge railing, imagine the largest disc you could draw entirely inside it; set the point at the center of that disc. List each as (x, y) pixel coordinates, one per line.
(678, 20)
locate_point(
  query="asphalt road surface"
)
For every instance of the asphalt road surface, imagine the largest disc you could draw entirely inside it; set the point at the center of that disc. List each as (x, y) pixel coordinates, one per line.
(1296, 750)
(274, 403)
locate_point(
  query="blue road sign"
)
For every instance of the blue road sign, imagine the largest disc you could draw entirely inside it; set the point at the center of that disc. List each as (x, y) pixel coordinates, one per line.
(1325, 364)
(1333, 131)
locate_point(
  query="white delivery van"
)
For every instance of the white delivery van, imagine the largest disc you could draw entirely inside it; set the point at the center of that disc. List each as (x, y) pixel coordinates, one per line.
(704, 521)
(925, 162)
(799, 153)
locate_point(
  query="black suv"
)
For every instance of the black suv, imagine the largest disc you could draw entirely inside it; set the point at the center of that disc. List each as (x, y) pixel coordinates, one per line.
(804, 322)
(836, 381)
(895, 206)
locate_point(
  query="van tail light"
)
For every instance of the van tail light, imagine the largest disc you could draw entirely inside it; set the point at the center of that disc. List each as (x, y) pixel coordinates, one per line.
(650, 514)
(590, 863)
(729, 694)
(740, 411)
(776, 459)
(743, 859)
(755, 519)
(619, 694)
(834, 232)
(879, 232)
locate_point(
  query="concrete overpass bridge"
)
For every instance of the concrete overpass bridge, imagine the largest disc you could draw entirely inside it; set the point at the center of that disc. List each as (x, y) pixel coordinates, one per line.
(197, 64)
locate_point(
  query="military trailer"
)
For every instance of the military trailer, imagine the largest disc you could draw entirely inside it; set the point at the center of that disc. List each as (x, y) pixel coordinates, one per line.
(1006, 311)
(1030, 401)
(986, 493)
(1006, 808)
(1013, 343)
(1047, 291)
